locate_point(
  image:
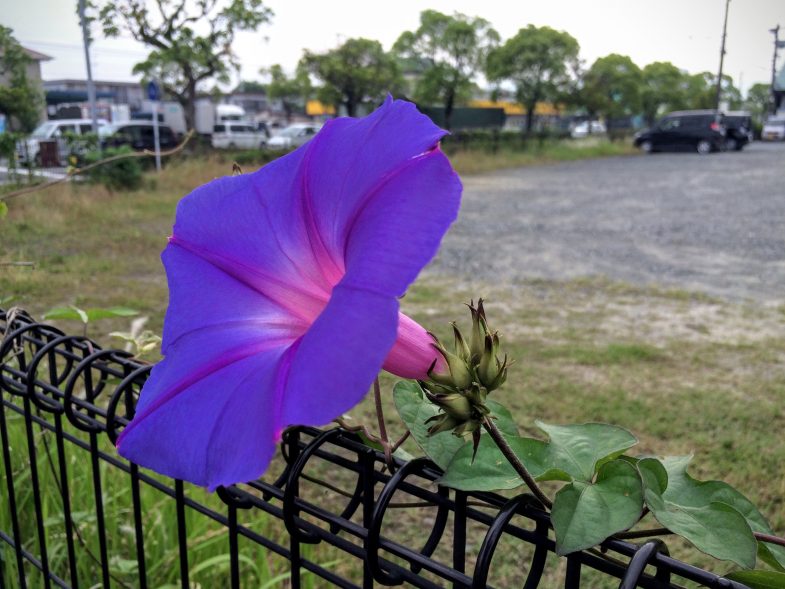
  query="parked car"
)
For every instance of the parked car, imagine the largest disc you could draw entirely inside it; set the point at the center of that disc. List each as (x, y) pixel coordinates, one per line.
(582, 129)
(237, 135)
(138, 135)
(28, 150)
(294, 136)
(738, 130)
(688, 130)
(774, 129)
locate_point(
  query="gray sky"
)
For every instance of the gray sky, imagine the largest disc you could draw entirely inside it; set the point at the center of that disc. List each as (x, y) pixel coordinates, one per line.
(685, 32)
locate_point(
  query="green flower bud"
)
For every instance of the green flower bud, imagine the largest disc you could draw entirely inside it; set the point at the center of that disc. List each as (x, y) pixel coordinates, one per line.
(479, 330)
(473, 370)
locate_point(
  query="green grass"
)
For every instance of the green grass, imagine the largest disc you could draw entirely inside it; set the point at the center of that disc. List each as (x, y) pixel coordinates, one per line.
(473, 161)
(686, 372)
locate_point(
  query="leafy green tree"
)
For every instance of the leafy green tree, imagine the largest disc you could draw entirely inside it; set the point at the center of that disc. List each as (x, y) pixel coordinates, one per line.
(612, 87)
(359, 72)
(758, 101)
(702, 91)
(454, 49)
(291, 91)
(663, 90)
(540, 61)
(190, 40)
(20, 97)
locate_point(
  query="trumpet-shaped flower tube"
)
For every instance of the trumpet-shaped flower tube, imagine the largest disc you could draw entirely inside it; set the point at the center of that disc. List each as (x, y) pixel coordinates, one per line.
(284, 288)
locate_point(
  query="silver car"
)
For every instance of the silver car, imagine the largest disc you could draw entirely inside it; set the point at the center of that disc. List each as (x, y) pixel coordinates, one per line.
(294, 136)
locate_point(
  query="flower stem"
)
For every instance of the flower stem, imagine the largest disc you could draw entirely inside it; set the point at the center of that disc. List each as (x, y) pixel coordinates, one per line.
(769, 539)
(385, 441)
(509, 454)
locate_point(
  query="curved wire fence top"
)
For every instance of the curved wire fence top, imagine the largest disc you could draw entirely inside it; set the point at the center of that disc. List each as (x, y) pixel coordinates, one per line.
(64, 402)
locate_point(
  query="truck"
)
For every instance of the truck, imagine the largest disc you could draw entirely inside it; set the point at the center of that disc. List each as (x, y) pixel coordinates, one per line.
(208, 115)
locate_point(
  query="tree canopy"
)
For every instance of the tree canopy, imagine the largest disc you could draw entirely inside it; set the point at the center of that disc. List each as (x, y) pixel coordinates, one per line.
(612, 87)
(451, 50)
(21, 100)
(291, 91)
(702, 91)
(190, 40)
(663, 90)
(359, 72)
(540, 62)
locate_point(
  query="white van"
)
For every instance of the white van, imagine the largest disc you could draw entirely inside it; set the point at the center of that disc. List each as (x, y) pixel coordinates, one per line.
(237, 135)
(774, 129)
(28, 149)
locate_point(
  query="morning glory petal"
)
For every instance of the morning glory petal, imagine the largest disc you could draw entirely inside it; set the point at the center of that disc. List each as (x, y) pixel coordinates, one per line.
(207, 411)
(340, 355)
(350, 158)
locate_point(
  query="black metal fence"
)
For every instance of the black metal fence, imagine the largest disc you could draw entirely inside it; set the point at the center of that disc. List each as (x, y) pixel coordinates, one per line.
(68, 399)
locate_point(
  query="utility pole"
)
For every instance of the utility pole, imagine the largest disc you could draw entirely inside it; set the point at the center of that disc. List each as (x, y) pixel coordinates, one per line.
(722, 57)
(776, 32)
(90, 85)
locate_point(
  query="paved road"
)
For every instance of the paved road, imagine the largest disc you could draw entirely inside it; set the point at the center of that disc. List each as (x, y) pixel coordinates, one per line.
(714, 224)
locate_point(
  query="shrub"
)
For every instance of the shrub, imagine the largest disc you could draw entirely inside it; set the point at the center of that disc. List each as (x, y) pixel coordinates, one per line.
(121, 174)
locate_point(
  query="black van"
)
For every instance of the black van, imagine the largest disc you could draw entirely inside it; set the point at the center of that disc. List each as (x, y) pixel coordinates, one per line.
(687, 130)
(139, 135)
(738, 130)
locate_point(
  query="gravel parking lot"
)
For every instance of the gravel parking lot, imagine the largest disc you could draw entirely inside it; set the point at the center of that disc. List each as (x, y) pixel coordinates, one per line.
(713, 224)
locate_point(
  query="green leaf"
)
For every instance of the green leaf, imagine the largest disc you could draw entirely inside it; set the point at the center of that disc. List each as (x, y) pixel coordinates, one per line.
(685, 490)
(575, 452)
(490, 470)
(95, 314)
(415, 409)
(584, 514)
(579, 450)
(72, 313)
(713, 527)
(3, 209)
(759, 579)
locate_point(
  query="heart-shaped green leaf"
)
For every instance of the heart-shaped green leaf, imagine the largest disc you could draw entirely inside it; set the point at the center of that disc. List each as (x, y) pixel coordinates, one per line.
(685, 490)
(714, 527)
(415, 409)
(759, 579)
(573, 453)
(490, 470)
(3, 209)
(577, 451)
(584, 514)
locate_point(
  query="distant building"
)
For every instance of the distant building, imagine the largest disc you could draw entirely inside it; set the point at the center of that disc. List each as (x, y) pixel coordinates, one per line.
(33, 72)
(71, 91)
(252, 97)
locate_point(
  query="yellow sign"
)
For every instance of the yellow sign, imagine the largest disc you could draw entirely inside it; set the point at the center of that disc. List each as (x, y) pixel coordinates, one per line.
(314, 108)
(513, 108)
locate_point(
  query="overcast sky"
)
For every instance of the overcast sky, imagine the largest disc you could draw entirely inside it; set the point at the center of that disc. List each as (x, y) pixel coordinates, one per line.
(685, 32)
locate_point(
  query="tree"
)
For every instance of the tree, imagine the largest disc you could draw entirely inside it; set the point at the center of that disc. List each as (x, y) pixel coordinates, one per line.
(358, 72)
(20, 97)
(292, 92)
(182, 56)
(612, 87)
(454, 49)
(540, 61)
(663, 90)
(702, 91)
(758, 101)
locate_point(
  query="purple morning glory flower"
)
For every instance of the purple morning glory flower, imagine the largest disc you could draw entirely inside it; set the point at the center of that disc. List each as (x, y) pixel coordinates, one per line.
(284, 288)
